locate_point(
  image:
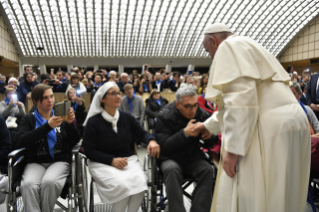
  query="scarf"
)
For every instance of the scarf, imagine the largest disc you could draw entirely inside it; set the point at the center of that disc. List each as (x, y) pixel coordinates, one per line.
(203, 95)
(173, 81)
(158, 82)
(130, 102)
(74, 106)
(8, 101)
(145, 87)
(158, 101)
(60, 86)
(303, 107)
(39, 121)
(112, 119)
(98, 84)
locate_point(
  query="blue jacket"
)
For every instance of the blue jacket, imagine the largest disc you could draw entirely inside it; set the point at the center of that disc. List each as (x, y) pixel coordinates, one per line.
(24, 89)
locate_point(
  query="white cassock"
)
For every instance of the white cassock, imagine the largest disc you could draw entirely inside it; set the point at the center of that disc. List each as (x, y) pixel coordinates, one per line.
(261, 121)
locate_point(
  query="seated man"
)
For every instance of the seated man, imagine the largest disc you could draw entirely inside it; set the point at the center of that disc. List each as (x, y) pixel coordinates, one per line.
(124, 80)
(181, 155)
(134, 105)
(61, 83)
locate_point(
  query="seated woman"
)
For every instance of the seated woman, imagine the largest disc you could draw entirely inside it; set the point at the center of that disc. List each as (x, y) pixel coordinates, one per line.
(12, 83)
(76, 84)
(154, 104)
(145, 84)
(8, 108)
(136, 83)
(189, 82)
(203, 103)
(77, 103)
(26, 87)
(108, 145)
(98, 81)
(203, 82)
(49, 141)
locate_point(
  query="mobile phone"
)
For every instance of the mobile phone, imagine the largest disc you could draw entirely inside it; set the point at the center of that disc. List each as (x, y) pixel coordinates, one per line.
(62, 108)
(14, 98)
(78, 93)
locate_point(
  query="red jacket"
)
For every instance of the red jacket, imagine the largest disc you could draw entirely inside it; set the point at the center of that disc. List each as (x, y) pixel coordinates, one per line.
(206, 105)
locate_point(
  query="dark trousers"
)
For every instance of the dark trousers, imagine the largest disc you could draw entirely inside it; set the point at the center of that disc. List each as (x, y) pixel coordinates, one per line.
(201, 171)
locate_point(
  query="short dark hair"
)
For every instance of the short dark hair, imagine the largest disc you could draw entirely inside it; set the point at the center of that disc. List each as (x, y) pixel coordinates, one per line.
(176, 73)
(60, 72)
(45, 76)
(25, 67)
(25, 76)
(289, 68)
(38, 91)
(100, 75)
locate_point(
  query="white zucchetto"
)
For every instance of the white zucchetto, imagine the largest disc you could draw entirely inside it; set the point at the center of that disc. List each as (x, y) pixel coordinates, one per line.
(216, 27)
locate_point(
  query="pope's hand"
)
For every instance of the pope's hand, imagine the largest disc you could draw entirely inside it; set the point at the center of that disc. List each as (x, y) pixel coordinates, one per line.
(229, 163)
(199, 126)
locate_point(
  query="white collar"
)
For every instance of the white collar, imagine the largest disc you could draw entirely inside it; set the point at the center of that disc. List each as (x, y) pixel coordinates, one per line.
(112, 119)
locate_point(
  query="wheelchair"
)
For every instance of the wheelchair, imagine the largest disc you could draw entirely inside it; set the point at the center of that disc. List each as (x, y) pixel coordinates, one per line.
(75, 189)
(154, 199)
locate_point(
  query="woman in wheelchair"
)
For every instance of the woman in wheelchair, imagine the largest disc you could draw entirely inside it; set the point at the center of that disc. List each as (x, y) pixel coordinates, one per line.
(49, 141)
(109, 147)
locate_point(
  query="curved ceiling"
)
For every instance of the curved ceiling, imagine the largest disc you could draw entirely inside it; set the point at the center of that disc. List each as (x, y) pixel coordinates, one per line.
(152, 28)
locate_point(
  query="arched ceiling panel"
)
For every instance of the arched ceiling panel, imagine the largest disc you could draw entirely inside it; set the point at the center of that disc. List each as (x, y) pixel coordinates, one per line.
(152, 28)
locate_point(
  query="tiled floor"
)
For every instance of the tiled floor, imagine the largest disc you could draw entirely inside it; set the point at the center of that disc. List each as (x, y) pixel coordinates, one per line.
(99, 206)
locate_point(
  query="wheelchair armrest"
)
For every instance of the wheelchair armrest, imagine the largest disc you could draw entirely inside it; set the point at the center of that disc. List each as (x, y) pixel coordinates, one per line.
(76, 149)
(16, 154)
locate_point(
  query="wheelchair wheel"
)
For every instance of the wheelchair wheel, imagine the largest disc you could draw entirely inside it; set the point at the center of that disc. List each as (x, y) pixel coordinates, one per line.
(149, 201)
(11, 207)
(82, 184)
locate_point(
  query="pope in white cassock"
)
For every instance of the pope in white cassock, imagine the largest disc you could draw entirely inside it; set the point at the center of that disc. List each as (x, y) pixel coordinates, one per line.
(265, 155)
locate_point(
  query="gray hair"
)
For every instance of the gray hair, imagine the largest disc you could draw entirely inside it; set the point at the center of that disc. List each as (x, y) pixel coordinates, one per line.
(185, 91)
(111, 72)
(297, 87)
(124, 74)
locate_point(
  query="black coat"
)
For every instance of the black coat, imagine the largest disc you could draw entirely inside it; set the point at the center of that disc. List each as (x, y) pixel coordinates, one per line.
(171, 85)
(101, 143)
(35, 140)
(5, 145)
(172, 139)
(312, 92)
(152, 109)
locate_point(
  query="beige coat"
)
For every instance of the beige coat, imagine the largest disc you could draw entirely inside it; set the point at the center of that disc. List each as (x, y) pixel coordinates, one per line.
(261, 121)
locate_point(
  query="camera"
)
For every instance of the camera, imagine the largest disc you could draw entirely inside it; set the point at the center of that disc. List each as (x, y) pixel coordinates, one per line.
(51, 81)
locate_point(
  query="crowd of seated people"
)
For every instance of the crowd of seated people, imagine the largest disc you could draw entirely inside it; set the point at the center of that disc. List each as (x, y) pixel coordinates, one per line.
(120, 118)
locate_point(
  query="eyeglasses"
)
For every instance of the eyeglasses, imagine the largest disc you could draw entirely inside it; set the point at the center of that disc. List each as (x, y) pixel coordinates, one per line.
(190, 107)
(115, 93)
